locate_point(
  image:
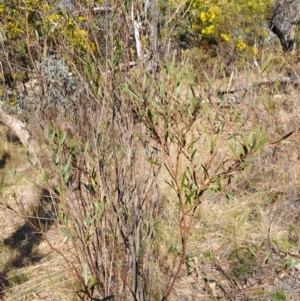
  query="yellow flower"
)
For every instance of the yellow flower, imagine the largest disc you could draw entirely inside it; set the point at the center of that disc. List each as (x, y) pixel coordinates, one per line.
(31, 3)
(93, 47)
(208, 30)
(81, 18)
(254, 50)
(45, 6)
(83, 32)
(70, 22)
(54, 17)
(225, 37)
(240, 45)
(80, 33)
(13, 29)
(203, 17)
(212, 17)
(13, 100)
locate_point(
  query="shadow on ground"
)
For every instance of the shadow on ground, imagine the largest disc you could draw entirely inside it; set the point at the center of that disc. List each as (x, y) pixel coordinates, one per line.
(3, 159)
(25, 240)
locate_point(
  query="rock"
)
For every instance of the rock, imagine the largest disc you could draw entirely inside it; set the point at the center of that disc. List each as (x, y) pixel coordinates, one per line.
(297, 265)
(24, 199)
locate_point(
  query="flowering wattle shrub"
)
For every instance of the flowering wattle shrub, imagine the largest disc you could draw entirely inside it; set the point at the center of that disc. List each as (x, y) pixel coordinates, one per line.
(239, 23)
(32, 32)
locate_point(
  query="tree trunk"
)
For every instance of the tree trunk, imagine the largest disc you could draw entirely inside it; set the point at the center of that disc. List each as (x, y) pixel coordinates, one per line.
(286, 14)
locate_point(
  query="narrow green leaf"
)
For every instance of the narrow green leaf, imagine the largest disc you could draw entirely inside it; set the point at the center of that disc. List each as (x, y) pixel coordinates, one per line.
(230, 80)
(37, 34)
(63, 138)
(172, 65)
(145, 83)
(189, 171)
(266, 64)
(91, 68)
(218, 182)
(250, 141)
(169, 172)
(67, 166)
(46, 177)
(88, 221)
(172, 185)
(78, 287)
(232, 149)
(240, 147)
(57, 158)
(57, 188)
(93, 283)
(246, 140)
(260, 144)
(65, 232)
(86, 146)
(73, 143)
(153, 162)
(254, 140)
(100, 208)
(205, 171)
(186, 155)
(193, 154)
(183, 179)
(134, 94)
(190, 195)
(207, 78)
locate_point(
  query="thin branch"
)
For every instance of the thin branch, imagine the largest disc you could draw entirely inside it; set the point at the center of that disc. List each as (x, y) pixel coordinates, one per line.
(263, 81)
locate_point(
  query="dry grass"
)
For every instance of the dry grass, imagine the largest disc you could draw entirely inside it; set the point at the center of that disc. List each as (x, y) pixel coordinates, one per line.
(236, 241)
(257, 228)
(30, 269)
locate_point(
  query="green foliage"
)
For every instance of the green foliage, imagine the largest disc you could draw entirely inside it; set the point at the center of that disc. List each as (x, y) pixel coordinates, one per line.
(18, 279)
(192, 161)
(245, 261)
(236, 23)
(128, 124)
(171, 121)
(208, 255)
(279, 296)
(25, 21)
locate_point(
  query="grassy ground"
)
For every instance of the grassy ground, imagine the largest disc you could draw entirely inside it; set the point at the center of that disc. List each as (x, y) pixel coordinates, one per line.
(29, 268)
(244, 245)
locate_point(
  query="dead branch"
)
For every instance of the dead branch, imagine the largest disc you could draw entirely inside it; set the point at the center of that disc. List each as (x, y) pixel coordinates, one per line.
(21, 131)
(262, 81)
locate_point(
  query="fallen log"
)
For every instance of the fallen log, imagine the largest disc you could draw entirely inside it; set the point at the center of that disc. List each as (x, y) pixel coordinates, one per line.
(262, 81)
